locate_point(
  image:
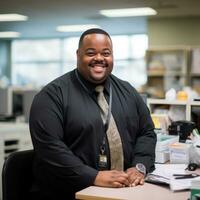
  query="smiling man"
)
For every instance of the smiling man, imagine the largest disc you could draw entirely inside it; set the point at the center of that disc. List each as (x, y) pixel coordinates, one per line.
(95, 57)
(88, 127)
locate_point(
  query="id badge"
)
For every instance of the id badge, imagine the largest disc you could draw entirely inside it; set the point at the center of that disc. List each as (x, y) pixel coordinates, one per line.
(102, 161)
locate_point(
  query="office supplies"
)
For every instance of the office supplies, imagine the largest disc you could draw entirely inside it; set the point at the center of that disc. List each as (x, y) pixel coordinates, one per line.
(162, 147)
(185, 176)
(163, 174)
(182, 128)
(192, 166)
(180, 153)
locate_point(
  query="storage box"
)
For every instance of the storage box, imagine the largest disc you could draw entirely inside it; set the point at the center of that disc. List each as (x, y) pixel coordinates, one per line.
(162, 147)
(180, 153)
(163, 141)
(162, 156)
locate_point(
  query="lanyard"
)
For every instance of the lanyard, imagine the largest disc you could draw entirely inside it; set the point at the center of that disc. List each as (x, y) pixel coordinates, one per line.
(103, 160)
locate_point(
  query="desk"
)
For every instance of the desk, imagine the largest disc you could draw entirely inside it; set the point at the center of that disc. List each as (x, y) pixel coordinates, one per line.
(144, 192)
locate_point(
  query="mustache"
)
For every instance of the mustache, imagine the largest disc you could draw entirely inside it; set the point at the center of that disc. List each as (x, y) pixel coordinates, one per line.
(103, 63)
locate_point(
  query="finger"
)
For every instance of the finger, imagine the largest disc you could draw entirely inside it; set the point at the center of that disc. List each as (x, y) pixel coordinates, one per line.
(142, 181)
(122, 178)
(136, 182)
(117, 184)
(123, 181)
(121, 173)
(132, 178)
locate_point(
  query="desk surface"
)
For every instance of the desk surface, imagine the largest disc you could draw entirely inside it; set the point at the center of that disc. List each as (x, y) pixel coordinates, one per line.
(144, 192)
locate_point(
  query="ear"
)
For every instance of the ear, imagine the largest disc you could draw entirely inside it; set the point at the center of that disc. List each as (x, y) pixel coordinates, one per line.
(77, 52)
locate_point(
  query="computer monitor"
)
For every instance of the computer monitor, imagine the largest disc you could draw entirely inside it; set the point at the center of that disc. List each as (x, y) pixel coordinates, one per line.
(17, 102)
(6, 104)
(28, 96)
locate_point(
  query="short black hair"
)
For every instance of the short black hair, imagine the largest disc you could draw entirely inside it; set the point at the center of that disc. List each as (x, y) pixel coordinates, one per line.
(91, 31)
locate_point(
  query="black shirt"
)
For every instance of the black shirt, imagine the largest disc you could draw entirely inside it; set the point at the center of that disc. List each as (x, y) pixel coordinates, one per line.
(67, 131)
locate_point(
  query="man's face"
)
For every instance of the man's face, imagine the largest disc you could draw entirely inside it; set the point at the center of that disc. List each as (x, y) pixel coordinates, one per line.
(95, 58)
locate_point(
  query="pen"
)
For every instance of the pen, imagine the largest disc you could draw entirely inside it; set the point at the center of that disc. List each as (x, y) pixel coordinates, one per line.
(185, 176)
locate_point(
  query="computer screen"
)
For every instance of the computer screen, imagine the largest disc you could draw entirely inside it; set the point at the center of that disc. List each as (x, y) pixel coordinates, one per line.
(6, 101)
(28, 97)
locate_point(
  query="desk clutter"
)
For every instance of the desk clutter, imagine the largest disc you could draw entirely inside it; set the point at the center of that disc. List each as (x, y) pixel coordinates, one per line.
(180, 148)
(176, 176)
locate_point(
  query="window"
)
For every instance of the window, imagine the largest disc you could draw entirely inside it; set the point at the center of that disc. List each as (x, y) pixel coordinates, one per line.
(129, 53)
(35, 74)
(69, 53)
(121, 47)
(35, 50)
(37, 62)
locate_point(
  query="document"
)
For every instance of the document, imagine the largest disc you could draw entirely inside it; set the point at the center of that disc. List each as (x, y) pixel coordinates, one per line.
(164, 174)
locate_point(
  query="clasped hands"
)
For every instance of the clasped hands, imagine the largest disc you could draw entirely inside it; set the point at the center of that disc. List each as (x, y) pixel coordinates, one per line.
(113, 178)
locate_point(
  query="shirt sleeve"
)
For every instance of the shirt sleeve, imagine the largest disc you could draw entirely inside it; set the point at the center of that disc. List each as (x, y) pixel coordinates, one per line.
(144, 151)
(56, 158)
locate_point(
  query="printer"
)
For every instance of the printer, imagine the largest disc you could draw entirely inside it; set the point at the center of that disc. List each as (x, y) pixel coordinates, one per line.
(181, 128)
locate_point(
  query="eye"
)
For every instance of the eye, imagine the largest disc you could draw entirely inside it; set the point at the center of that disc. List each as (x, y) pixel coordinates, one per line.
(90, 53)
(106, 53)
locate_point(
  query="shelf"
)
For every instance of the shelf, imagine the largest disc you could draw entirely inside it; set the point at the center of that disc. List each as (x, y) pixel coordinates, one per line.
(195, 75)
(156, 73)
(195, 103)
(152, 103)
(168, 68)
(166, 102)
(165, 74)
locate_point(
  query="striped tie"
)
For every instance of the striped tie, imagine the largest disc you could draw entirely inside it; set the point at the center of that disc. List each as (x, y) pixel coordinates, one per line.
(114, 140)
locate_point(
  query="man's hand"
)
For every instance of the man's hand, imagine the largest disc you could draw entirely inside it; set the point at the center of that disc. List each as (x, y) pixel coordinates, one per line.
(112, 178)
(135, 177)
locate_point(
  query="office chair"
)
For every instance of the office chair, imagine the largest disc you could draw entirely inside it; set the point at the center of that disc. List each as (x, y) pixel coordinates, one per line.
(17, 175)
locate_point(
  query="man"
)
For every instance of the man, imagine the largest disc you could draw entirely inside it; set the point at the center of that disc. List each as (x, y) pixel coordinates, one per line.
(70, 135)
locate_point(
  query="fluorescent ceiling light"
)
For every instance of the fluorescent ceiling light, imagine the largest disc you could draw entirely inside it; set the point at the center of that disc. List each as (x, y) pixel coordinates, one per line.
(12, 17)
(9, 34)
(76, 28)
(128, 12)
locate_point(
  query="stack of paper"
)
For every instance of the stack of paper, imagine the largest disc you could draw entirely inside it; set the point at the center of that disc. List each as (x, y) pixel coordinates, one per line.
(163, 174)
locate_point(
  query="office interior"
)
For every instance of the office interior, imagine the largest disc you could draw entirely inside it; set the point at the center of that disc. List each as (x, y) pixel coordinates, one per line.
(159, 55)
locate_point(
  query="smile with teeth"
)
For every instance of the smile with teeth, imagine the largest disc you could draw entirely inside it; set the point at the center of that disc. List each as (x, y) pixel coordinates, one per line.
(102, 65)
(98, 65)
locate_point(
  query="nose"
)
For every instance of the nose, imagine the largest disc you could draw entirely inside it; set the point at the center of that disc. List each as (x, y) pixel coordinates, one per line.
(98, 57)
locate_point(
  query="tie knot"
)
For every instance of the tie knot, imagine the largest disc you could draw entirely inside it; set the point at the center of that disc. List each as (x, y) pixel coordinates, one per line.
(99, 88)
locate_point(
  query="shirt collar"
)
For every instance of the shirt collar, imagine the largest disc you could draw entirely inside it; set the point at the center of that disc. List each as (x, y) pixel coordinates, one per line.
(91, 86)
